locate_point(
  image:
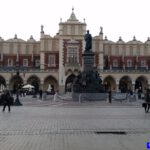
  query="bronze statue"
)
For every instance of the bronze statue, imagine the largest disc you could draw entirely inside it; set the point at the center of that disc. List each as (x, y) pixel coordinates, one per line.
(88, 39)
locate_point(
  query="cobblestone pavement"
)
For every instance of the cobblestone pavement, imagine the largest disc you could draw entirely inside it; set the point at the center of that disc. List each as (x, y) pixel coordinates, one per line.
(66, 125)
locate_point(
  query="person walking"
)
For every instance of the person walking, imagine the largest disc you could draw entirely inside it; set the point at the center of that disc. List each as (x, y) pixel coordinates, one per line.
(40, 93)
(147, 101)
(6, 100)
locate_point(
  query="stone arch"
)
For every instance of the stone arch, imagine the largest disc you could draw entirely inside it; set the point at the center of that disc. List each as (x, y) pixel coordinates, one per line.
(109, 83)
(125, 84)
(69, 82)
(2, 83)
(76, 71)
(35, 81)
(69, 72)
(141, 82)
(50, 80)
(16, 83)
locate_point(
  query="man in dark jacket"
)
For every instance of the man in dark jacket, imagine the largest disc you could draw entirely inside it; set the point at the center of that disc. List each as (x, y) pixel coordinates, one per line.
(147, 101)
(6, 100)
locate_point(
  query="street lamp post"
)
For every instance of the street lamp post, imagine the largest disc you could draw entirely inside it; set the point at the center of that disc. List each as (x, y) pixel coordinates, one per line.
(17, 101)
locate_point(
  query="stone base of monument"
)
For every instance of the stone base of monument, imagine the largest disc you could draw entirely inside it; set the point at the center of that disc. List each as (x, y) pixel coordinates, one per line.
(89, 96)
(88, 84)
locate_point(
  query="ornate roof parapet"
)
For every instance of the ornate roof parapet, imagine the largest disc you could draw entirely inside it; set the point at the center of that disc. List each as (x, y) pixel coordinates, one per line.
(101, 30)
(105, 38)
(148, 40)
(107, 41)
(120, 41)
(31, 39)
(72, 16)
(134, 38)
(15, 37)
(42, 29)
(134, 41)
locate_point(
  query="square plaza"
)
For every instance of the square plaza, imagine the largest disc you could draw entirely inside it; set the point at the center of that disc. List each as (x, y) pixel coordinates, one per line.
(68, 125)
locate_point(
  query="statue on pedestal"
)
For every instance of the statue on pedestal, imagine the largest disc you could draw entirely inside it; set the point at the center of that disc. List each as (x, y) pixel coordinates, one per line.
(88, 40)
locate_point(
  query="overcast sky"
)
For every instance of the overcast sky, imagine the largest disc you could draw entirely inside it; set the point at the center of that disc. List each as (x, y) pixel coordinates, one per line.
(124, 18)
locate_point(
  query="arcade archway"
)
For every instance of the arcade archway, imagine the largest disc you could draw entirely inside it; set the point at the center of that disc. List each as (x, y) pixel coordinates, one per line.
(51, 82)
(141, 83)
(16, 83)
(35, 81)
(69, 81)
(109, 83)
(125, 84)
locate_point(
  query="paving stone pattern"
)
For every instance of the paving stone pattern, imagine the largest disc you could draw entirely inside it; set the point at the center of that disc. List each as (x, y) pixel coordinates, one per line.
(66, 125)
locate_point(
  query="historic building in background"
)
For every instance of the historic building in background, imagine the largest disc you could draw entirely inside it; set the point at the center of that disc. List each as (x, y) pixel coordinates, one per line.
(57, 60)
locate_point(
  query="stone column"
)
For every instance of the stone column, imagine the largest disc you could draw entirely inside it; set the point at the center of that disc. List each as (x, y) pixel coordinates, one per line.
(133, 85)
(42, 84)
(24, 81)
(7, 84)
(117, 84)
(149, 83)
(61, 80)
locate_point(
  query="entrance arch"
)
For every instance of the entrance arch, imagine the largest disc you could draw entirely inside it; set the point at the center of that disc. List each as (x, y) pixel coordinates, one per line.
(50, 80)
(109, 83)
(69, 82)
(141, 82)
(35, 81)
(16, 83)
(125, 84)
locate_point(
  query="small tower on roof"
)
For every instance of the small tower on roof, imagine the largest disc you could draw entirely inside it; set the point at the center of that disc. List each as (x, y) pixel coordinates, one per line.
(72, 26)
(72, 16)
(101, 33)
(42, 31)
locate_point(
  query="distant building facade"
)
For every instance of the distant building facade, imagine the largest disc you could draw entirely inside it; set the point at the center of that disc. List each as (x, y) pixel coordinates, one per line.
(57, 60)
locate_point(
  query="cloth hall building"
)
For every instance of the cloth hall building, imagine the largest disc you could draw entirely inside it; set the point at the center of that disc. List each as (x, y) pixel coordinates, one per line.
(57, 60)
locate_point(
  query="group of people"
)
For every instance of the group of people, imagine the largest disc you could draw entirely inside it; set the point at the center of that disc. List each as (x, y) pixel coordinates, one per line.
(6, 98)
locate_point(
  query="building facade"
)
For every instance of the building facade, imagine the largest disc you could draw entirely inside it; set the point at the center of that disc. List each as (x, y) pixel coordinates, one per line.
(57, 60)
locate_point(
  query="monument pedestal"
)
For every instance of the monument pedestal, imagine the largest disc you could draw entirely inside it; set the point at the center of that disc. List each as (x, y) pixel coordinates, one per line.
(88, 85)
(88, 60)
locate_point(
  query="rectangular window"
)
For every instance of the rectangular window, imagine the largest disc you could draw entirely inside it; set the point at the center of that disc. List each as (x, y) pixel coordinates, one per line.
(72, 55)
(25, 62)
(143, 63)
(129, 63)
(10, 63)
(37, 63)
(115, 63)
(51, 61)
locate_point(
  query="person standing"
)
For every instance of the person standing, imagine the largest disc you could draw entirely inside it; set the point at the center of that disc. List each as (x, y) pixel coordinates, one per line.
(41, 93)
(147, 101)
(55, 96)
(6, 100)
(109, 96)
